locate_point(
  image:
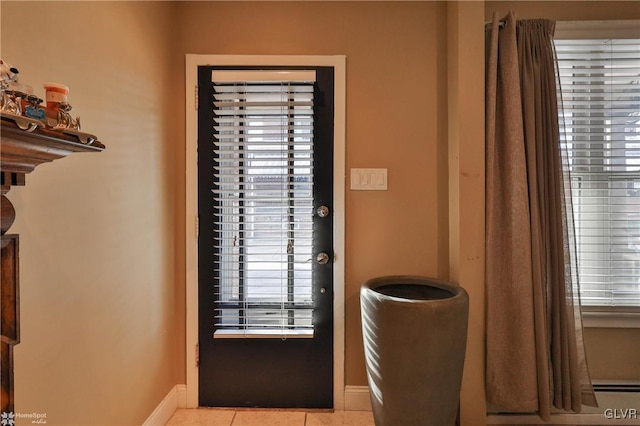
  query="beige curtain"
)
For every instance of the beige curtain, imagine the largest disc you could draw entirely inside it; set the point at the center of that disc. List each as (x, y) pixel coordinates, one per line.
(535, 352)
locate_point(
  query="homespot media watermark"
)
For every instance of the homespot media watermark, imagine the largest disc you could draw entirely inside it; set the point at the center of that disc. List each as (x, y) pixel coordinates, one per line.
(621, 413)
(11, 419)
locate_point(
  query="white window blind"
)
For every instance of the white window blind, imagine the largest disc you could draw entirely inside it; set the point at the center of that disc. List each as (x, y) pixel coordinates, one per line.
(263, 128)
(600, 90)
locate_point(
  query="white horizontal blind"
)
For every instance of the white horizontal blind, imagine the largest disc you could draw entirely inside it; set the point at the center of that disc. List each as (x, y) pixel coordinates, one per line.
(264, 195)
(600, 90)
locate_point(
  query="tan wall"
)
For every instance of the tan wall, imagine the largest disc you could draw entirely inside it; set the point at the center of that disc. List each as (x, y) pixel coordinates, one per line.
(611, 353)
(394, 77)
(96, 230)
(565, 10)
(465, 101)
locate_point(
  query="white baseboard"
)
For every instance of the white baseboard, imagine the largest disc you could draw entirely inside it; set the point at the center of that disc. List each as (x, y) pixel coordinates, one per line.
(182, 395)
(176, 398)
(356, 398)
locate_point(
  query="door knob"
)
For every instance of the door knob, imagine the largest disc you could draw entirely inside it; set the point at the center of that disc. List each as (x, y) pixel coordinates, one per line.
(323, 211)
(322, 258)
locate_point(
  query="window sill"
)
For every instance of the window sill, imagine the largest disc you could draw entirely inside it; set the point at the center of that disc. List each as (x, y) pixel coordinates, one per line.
(275, 333)
(602, 318)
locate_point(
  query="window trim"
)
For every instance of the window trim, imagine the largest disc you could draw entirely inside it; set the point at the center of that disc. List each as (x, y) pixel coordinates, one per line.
(603, 317)
(575, 30)
(598, 317)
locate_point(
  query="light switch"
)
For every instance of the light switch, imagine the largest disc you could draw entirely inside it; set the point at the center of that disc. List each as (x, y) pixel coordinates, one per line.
(369, 179)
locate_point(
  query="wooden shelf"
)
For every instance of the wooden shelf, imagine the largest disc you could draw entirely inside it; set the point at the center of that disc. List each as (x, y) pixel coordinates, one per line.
(21, 152)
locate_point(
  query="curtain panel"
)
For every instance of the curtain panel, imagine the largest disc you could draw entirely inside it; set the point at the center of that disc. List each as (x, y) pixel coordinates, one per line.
(535, 352)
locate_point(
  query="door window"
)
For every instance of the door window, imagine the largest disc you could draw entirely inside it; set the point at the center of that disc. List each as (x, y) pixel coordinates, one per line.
(263, 190)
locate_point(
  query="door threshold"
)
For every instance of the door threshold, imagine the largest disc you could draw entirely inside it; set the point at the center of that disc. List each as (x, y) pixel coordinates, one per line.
(271, 409)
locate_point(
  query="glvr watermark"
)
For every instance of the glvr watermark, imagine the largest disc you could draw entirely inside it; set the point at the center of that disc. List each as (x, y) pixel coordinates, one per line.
(10, 419)
(621, 413)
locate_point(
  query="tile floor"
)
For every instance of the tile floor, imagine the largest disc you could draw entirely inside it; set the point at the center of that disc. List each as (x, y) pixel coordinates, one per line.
(231, 417)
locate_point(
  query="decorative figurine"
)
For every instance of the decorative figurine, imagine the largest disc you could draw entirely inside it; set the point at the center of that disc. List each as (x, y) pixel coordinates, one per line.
(9, 101)
(7, 74)
(33, 109)
(64, 118)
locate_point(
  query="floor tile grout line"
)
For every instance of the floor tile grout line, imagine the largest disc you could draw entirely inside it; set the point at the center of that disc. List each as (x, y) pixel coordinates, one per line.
(308, 418)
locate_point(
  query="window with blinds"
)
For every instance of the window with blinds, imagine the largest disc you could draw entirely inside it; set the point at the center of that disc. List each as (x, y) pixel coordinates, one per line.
(600, 92)
(263, 137)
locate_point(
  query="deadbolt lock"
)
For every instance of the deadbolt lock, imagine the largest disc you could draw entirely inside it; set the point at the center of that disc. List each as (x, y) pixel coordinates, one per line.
(323, 211)
(322, 258)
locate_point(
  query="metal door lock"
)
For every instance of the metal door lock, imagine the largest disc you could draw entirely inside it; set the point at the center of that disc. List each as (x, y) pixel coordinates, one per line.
(323, 211)
(322, 258)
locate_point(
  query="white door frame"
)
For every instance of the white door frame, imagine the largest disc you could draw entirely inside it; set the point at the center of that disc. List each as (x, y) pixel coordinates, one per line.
(338, 62)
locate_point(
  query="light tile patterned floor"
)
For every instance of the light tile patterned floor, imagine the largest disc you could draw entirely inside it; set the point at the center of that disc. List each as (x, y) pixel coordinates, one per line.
(230, 417)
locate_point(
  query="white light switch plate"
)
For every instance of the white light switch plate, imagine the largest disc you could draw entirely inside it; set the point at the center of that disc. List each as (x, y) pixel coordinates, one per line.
(369, 179)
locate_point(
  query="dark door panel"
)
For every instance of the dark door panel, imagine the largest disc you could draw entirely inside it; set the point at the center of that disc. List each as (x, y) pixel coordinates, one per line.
(250, 371)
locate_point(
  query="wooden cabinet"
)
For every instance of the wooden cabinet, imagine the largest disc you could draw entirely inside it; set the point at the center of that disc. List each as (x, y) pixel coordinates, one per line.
(20, 152)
